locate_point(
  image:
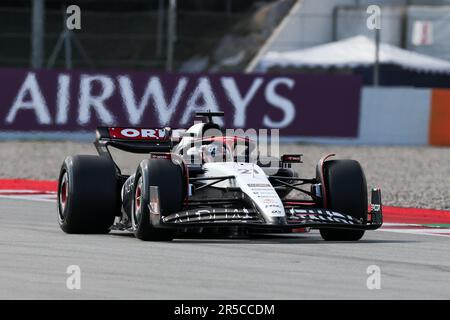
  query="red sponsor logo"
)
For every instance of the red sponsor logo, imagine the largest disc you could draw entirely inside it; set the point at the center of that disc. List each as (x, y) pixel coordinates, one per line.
(138, 134)
(292, 158)
(157, 155)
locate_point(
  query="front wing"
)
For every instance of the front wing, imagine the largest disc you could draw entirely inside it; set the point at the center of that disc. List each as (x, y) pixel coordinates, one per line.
(296, 217)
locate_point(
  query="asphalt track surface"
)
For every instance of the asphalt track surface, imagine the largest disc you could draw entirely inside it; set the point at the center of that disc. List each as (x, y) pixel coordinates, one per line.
(35, 254)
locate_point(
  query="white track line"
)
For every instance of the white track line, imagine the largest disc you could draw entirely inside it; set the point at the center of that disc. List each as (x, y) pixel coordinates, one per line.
(26, 191)
(419, 231)
(28, 198)
(29, 195)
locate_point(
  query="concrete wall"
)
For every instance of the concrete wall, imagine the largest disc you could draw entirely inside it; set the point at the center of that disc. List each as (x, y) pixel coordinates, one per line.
(439, 18)
(312, 23)
(399, 116)
(352, 21)
(394, 116)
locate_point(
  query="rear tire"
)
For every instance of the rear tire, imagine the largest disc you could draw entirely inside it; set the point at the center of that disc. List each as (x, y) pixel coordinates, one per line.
(346, 189)
(87, 195)
(169, 179)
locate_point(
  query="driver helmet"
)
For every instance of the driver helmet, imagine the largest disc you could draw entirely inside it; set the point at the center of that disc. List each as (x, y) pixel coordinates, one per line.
(213, 152)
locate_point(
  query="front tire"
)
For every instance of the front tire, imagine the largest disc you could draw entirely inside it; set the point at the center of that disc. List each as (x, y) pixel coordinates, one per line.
(169, 179)
(346, 189)
(87, 194)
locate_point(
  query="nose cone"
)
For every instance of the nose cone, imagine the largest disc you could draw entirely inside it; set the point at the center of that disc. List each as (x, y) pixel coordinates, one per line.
(276, 220)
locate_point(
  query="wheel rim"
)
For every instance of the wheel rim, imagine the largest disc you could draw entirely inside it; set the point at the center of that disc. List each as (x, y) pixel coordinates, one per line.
(63, 194)
(138, 201)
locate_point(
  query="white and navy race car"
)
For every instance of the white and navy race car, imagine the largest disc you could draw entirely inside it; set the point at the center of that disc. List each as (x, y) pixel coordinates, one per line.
(205, 181)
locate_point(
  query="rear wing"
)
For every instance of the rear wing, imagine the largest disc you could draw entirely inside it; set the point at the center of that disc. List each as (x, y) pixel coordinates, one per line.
(134, 140)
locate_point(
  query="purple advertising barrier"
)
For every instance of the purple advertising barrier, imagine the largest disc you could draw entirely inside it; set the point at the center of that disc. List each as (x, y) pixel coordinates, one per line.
(76, 101)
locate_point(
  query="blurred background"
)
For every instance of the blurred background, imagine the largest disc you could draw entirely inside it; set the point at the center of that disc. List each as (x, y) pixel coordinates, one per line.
(220, 35)
(135, 33)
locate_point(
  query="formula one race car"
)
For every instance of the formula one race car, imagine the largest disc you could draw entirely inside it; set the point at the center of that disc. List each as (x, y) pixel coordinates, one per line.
(203, 181)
